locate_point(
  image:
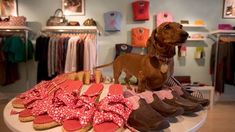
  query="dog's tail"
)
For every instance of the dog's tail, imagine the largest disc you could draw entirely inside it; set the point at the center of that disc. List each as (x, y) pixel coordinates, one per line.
(101, 66)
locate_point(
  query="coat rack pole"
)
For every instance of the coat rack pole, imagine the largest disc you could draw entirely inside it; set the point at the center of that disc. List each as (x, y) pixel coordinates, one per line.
(26, 59)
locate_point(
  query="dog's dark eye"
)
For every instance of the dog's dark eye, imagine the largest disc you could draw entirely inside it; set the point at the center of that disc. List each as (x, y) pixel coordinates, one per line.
(167, 27)
(181, 26)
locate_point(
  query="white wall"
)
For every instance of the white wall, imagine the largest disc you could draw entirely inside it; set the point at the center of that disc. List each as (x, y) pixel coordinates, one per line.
(38, 11)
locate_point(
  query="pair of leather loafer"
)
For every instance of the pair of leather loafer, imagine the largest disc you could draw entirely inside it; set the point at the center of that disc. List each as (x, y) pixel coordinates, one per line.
(164, 108)
(187, 105)
(181, 90)
(145, 118)
(187, 95)
(157, 104)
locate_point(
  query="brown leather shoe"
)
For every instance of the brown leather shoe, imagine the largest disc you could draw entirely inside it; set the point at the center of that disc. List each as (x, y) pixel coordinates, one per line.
(166, 109)
(157, 104)
(187, 105)
(187, 95)
(145, 118)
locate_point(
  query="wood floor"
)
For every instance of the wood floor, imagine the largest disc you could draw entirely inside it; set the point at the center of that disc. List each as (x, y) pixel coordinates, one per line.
(220, 119)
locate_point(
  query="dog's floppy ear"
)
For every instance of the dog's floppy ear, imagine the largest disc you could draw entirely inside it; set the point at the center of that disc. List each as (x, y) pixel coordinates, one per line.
(151, 49)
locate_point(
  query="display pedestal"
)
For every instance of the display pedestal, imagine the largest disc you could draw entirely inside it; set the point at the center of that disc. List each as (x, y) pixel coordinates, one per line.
(179, 124)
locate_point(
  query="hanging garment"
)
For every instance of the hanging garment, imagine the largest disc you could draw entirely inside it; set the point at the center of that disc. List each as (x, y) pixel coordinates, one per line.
(112, 21)
(93, 54)
(140, 10)
(50, 44)
(8, 70)
(41, 55)
(80, 57)
(139, 36)
(162, 17)
(225, 65)
(90, 55)
(2, 64)
(12, 73)
(14, 47)
(71, 56)
(60, 54)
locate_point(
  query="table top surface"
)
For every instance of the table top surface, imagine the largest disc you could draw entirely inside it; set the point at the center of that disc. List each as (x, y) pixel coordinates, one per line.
(178, 124)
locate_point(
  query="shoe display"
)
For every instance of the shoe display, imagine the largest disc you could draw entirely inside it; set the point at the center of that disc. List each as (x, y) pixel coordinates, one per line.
(187, 105)
(163, 108)
(187, 95)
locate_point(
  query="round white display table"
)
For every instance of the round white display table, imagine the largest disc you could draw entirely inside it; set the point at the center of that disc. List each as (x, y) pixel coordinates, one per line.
(179, 124)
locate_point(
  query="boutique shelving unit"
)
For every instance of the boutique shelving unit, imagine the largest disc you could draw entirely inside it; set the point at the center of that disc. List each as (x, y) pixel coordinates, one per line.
(192, 27)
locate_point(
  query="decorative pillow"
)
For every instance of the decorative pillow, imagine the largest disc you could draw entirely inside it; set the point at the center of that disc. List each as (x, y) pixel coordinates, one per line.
(112, 20)
(140, 10)
(139, 36)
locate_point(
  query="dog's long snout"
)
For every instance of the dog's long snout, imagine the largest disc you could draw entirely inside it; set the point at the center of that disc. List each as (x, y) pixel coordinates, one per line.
(184, 34)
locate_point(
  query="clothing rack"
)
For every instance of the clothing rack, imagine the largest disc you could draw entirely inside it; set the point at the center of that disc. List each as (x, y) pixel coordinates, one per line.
(71, 29)
(218, 34)
(20, 29)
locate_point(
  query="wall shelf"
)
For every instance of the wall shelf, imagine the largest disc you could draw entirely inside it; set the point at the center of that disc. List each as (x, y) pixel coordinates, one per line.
(193, 26)
(222, 32)
(196, 39)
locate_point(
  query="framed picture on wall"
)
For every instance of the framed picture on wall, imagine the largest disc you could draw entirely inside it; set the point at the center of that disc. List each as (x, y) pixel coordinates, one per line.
(8, 8)
(73, 7)
(229, 9)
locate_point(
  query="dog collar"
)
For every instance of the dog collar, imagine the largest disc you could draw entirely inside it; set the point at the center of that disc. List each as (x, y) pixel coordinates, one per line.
(163, 59)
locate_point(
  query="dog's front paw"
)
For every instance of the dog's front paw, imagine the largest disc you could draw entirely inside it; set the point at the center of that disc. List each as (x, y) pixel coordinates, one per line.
(129, 87)
(139, 90)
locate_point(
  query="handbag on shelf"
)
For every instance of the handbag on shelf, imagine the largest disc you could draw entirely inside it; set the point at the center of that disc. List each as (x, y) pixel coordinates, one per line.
(58, 19)
(17, 21)
(13, 21)
(73, 23)
(89, 22)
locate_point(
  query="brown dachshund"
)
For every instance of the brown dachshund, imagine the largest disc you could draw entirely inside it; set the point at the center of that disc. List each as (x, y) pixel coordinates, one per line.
(151, 70)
